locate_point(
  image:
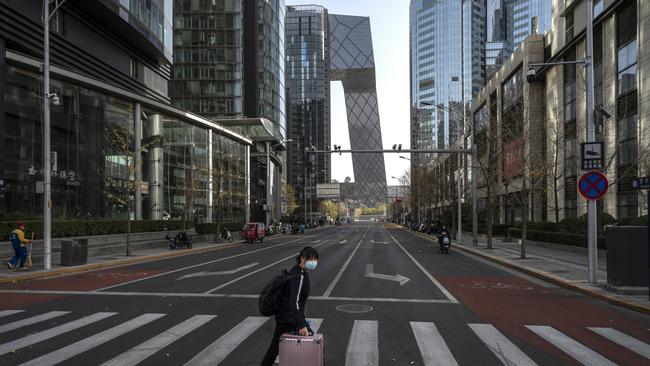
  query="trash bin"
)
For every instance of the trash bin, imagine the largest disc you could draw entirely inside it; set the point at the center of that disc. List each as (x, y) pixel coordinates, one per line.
(627, 256)
(70, 253)
(83, 248)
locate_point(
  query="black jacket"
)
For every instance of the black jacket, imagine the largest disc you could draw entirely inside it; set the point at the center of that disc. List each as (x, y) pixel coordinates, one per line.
(294, 299)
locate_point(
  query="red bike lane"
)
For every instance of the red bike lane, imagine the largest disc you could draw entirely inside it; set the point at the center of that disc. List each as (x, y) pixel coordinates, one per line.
(511, 303)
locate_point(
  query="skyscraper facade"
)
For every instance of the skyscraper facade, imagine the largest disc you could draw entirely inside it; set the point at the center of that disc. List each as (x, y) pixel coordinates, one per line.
(447, 46)
(509, 22)
(229, 64)
(308, 96)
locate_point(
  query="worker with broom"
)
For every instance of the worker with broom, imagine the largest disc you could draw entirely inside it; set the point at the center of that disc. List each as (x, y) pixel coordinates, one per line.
(19, 243)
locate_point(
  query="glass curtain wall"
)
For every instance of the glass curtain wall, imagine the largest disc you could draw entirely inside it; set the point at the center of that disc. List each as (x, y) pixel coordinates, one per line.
(93, 172)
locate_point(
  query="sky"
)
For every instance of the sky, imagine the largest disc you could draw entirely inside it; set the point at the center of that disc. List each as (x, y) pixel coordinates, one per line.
(389, 23)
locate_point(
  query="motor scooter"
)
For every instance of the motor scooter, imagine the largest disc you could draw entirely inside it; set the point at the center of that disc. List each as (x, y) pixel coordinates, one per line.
(444, 241)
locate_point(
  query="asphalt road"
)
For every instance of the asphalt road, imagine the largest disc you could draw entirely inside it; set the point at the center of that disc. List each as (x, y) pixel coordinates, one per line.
(380, 296)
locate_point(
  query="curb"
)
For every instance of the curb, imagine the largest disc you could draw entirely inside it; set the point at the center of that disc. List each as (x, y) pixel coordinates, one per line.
(551, 278)
(116, 263)
(122, 262)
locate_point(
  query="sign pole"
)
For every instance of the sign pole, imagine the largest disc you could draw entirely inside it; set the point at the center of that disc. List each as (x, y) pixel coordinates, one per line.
(648, 214)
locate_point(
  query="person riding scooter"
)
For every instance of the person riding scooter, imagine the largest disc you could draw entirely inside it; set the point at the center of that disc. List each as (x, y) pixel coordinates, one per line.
(443, 239)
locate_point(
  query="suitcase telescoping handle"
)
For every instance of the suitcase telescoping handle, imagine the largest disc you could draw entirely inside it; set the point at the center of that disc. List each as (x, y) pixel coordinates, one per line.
(300, 339)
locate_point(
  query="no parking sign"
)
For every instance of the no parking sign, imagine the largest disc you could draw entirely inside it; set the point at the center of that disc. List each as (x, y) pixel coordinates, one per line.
(593, 185)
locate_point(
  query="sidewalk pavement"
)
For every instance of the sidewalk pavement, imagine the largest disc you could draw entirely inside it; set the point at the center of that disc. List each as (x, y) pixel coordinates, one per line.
(120, 259)
(556, 265)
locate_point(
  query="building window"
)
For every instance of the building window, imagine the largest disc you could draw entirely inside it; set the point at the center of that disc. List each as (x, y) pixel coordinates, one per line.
(598, 7)
(569, 27)
(133, 68)
(627, 68)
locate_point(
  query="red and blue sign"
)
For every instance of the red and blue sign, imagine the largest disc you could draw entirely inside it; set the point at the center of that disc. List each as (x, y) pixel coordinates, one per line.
(593, 185)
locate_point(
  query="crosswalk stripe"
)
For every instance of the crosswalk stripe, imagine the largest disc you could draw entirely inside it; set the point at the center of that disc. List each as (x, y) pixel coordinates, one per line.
(91, 342)
(33, 320)
(222, 347)
(9, 312)
(506, 351)
(144, 350)
(315, 326)
(571, 347)
(624, 340)
(363, 347)
(52, 332)
(432, 346)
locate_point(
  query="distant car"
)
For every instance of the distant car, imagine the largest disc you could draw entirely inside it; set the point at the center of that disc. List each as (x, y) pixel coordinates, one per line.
(254, 231)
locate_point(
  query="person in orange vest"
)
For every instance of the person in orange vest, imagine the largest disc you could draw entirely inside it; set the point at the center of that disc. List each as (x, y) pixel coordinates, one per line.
(19, 243)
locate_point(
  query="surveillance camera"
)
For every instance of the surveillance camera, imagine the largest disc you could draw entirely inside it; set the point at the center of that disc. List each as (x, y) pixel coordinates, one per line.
(55, 100)
(394, 146)
(531, 75)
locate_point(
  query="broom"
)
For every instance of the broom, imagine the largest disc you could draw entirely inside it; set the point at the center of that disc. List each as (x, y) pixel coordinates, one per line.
(29, 256)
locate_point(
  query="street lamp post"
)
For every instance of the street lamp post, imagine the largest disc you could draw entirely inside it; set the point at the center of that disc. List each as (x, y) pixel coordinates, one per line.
(47, 167)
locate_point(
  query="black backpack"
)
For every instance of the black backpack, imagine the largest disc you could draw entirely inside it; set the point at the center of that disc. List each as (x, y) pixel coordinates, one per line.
(271, 295)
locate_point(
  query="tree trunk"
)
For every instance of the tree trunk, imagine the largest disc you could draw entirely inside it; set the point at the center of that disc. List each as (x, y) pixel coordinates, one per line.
(128, 237)
(556, 199)
(489, 216)
(524, 222)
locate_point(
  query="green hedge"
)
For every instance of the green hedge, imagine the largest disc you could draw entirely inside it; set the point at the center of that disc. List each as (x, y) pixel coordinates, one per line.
(578, 240)
(211, 228)
(73, 228)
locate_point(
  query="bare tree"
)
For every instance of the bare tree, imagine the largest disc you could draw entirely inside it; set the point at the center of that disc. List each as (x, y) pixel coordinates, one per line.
(556, 168)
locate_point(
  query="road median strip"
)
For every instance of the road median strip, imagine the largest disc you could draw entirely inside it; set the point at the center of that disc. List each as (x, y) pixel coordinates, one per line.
(562, 282)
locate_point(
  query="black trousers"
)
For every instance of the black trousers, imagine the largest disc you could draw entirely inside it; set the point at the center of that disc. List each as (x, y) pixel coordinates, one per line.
(274, 348)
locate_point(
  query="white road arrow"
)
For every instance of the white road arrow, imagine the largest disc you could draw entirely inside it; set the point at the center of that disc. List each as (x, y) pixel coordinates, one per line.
(343, 241)
(370, 272)
(218, 273)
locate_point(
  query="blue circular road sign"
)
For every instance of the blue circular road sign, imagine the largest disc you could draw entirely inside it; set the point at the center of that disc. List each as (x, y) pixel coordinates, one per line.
(593, 185)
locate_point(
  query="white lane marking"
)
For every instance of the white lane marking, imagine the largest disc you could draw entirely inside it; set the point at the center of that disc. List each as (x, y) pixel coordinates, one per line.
(447, 294)
(343, 241)
(506, 351)
(315, 326)
(370, 273)
(254, 272)
(432, 346)
(91, 342)
(52, 332)
(571, 347)
(222, 347)
(330, 288)
(226, 296)
(144, 350)
(198, 265)
(9, 312)
(378, 242)
(33, 320)
(624, 340)
(217, 273)
(363, 347)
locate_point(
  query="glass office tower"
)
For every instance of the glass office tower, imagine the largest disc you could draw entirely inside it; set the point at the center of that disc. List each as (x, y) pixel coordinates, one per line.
(447, 41)
(207, 76)
(509, 22)
(308, 94)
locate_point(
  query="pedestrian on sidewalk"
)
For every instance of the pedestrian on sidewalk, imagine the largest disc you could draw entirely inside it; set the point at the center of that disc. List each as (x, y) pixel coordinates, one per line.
(290, 317)
(19, 244)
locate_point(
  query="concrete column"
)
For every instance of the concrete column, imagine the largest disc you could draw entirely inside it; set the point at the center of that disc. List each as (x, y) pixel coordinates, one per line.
(643, 62)
(210, 193)
(609, 101)
(247, 201)
(138, 161)
(2, 122)
(156, 169)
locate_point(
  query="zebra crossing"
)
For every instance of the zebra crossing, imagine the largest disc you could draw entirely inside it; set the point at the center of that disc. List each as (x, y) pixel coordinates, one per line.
(362, 347)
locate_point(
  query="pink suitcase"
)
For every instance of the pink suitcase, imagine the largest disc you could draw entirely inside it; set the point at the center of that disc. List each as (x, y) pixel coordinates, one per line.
(302, 351)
